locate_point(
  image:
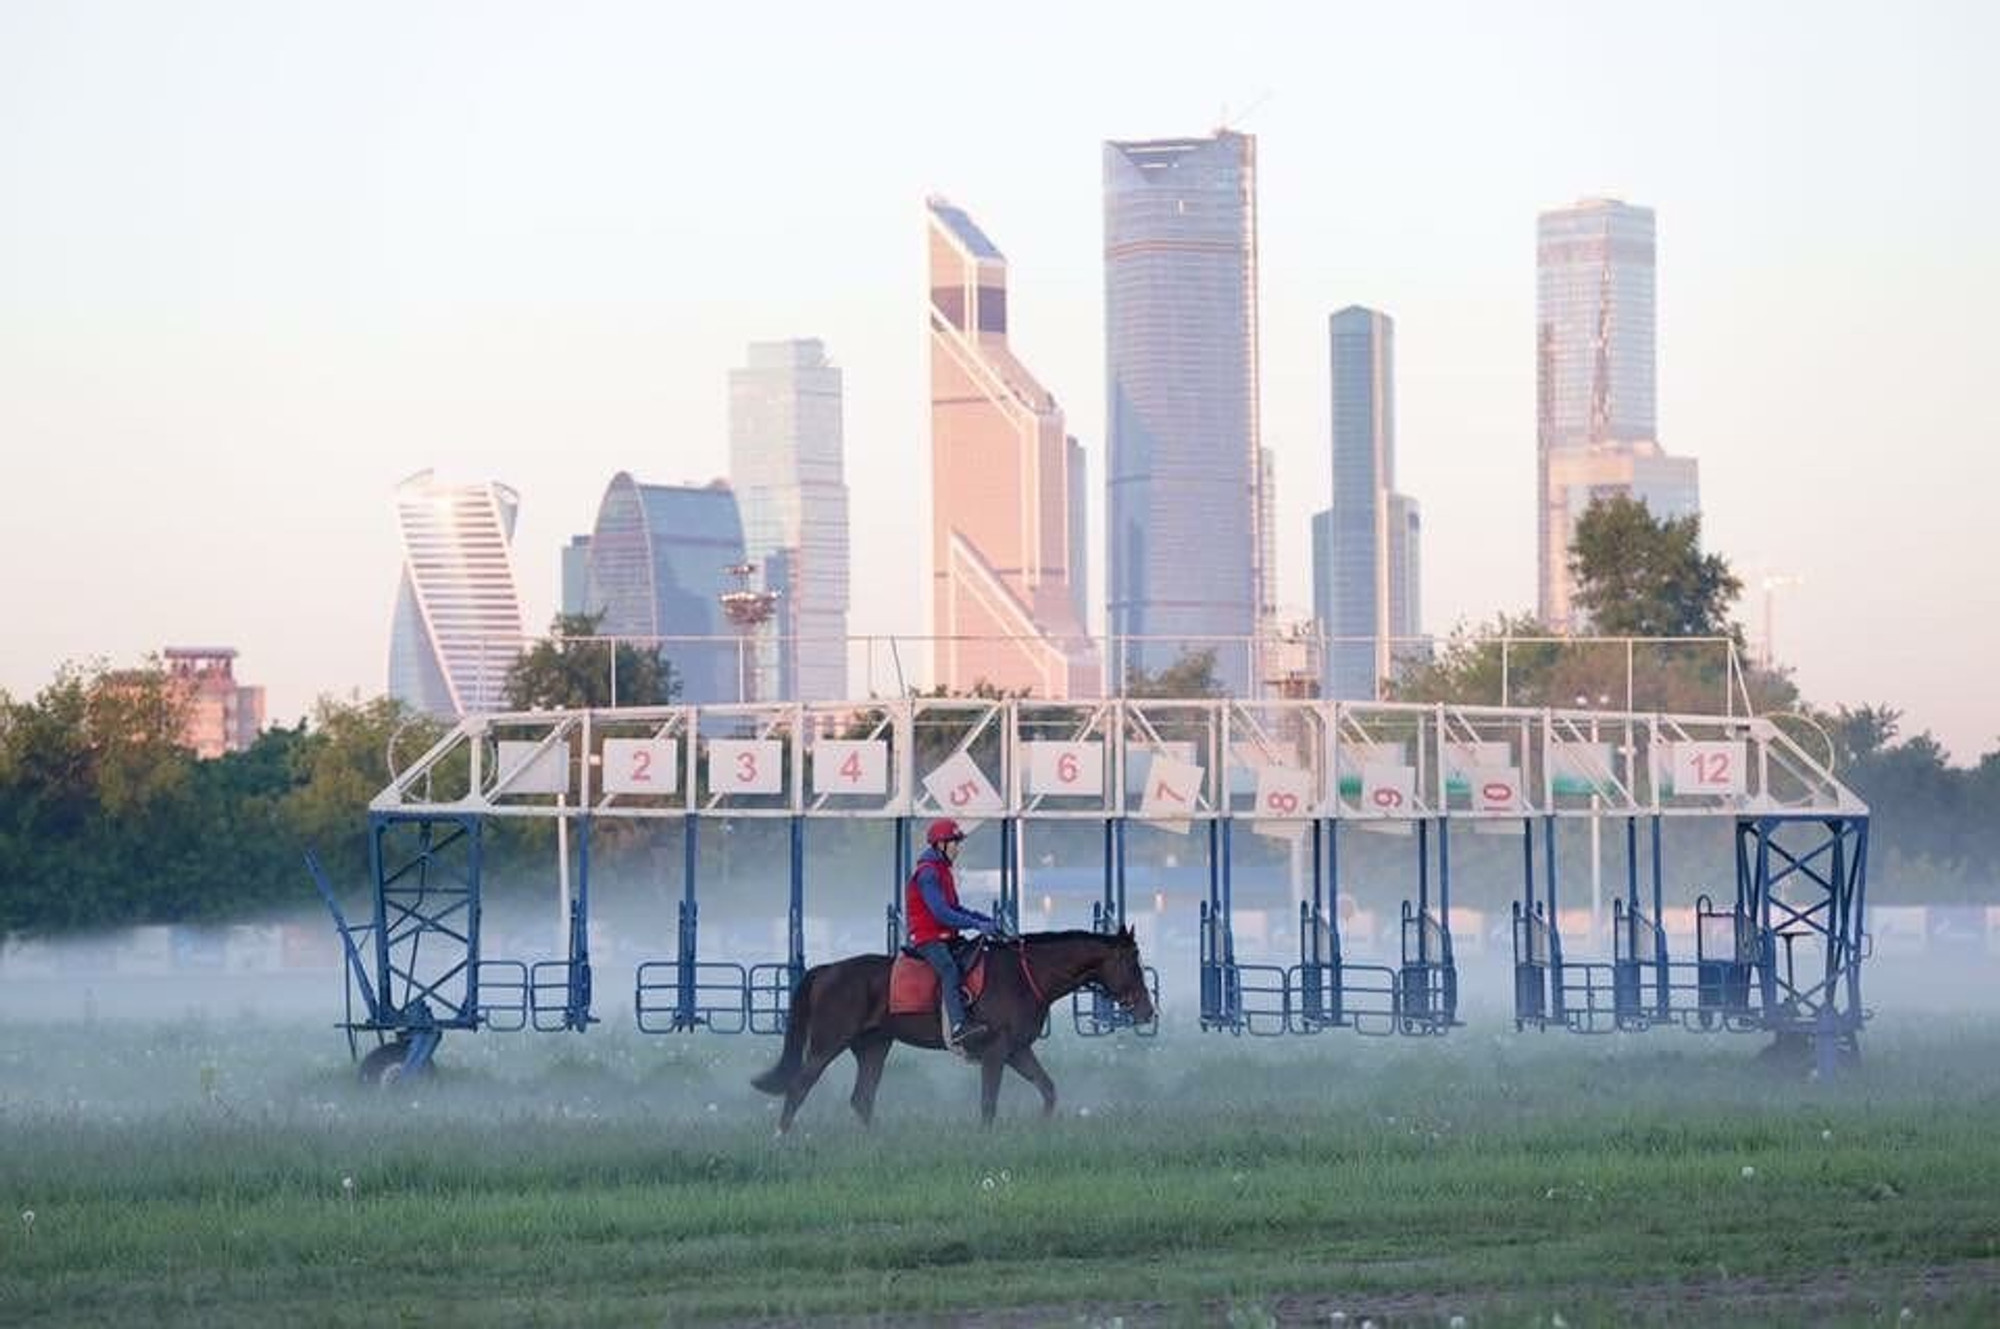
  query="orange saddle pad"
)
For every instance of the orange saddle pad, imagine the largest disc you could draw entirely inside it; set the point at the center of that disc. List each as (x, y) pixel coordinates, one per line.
(913, 985)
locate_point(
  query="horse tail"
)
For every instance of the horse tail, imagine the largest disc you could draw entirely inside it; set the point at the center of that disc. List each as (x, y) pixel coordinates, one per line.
(778, 1079)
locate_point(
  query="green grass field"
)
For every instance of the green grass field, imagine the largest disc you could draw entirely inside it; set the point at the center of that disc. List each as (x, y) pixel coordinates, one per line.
(210, 1174)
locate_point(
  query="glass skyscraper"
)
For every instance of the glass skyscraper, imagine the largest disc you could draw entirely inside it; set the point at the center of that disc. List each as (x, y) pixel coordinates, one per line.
(1596, 375)
(1366, 562)
(658, 561)
(1183, 482)
(1006, 501)
(457, 626)
(786, 462)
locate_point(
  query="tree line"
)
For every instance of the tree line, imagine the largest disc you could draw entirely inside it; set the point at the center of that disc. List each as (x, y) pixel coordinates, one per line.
(107, 820)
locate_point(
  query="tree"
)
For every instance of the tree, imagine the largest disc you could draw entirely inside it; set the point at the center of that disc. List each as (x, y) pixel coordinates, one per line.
(1641, 576)
(1191, 676)
(562, 672)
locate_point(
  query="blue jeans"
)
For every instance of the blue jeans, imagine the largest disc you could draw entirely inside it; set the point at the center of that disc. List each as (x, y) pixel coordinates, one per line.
(938, 955)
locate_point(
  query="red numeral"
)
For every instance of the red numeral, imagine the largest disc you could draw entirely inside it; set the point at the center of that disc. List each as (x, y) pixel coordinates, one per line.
(1711, 768)
(963, 793)
(746, 768)
(1385, 797)
(851, 768)
(642, 766)
(1497, 791)
(1067, 768)
(1282, 801)
(1161, 789)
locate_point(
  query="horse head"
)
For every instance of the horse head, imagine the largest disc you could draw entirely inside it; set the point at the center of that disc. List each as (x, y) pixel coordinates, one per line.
(1123, 975)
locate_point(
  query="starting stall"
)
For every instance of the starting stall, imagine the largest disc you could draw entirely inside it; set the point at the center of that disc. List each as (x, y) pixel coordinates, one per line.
(1161, 785)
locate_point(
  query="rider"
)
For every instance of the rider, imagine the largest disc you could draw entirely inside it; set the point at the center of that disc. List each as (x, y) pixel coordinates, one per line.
(930, 903)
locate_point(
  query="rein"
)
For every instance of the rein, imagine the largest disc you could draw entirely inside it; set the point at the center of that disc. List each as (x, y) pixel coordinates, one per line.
(1029, 974)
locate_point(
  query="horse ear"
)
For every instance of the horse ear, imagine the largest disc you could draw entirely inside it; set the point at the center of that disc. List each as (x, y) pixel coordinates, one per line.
(1126, 934)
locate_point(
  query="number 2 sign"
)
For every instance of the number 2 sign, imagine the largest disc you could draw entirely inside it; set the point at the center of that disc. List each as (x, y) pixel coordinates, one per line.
(1709, 768)
(746, 766)
(641, 765)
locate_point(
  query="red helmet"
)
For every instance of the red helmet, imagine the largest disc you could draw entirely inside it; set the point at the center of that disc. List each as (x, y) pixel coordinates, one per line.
(944, 828)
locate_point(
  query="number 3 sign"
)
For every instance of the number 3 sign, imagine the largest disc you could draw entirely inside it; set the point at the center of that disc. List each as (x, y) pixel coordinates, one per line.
(746, 766)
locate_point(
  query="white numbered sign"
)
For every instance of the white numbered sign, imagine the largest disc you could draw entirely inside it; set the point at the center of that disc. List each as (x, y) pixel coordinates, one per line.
(1709, 768)
(1284, 800)
(641, 765)
(844, 766)
(1072, 769)
(959, 786)
(1464, 761)
(523, 770)
(1388, 791)
(1173, 788)
(1581, 768)
(746, 766)
(1497, 789)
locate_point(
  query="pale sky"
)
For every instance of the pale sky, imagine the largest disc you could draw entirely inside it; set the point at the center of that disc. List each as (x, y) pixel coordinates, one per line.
(259, 261)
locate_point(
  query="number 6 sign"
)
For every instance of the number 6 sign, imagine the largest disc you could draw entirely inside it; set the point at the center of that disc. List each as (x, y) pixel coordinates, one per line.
(1074, 770)
(641, 765)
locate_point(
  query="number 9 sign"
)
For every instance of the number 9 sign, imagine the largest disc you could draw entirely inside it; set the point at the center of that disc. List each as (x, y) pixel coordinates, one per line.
(1388, 791)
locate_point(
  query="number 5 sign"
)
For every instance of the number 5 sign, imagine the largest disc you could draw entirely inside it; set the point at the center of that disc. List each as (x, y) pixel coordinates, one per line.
(1074, 770)
(959, 786)
(1709, 768)
(746, 766)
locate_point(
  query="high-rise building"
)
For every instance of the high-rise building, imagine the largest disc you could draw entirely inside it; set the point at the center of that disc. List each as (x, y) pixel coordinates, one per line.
(576, 576)
(1670, 487)
(1004, 568)
(785, 461)
(1366, 560)
(659, 557)
(457, 626)
(1182, 485)
(1596, 378)
(222, 714)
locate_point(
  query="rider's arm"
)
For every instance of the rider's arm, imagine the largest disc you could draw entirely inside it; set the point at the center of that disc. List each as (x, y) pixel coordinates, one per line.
(941, 909)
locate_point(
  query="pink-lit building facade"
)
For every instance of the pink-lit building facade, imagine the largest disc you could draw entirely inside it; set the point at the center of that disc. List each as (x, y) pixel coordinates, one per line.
(222, 714)
(1007, 490)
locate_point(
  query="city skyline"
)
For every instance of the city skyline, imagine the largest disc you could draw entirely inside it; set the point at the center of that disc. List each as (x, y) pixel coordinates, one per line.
(462, 269)
(457, 621)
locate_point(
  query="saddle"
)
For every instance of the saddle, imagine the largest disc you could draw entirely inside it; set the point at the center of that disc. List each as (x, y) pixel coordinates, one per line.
(913, 984)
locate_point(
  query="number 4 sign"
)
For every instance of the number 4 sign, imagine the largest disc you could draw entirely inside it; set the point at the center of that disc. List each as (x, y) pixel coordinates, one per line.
(844, 766)
(1708, 768)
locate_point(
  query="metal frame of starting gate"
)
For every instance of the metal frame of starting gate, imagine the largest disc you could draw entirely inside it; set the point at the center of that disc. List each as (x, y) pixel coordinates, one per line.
(1784, 957)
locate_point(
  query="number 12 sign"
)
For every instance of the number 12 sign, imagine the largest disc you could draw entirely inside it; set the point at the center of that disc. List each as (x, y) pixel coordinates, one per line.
(1709, 768)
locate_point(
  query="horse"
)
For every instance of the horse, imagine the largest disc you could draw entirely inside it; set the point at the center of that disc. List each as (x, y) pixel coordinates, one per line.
(843, 1006)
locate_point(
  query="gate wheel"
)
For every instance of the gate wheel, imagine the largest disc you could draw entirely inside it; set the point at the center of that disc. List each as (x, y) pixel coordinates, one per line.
(383, 1068)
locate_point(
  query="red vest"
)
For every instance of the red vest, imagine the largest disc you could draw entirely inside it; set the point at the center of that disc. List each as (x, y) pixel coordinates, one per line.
(923, 925)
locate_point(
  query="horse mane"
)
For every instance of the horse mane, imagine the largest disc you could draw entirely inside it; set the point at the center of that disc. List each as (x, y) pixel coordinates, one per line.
(1075, 934)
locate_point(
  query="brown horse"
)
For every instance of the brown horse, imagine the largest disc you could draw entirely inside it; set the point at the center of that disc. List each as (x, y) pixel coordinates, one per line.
(844, 1007)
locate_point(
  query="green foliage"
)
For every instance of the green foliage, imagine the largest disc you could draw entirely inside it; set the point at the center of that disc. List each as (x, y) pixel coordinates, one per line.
(1640, 576)
(1192, 676)
(561, 672)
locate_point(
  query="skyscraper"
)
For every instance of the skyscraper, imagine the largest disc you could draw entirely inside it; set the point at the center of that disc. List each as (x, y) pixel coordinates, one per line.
(1365, 547)
(786, 463)
(1003, 511)
(576, 576)
(1596, 381)
(457, 625)
(658, 559)
(1183, 481)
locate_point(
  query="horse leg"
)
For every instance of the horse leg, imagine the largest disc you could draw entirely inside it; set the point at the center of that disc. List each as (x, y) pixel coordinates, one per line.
(802, 1083)
(1029, 1065)
(990, 1068)
(868, 1061)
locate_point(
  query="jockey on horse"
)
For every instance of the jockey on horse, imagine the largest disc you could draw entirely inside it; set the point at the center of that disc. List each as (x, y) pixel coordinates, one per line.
(934, 916)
